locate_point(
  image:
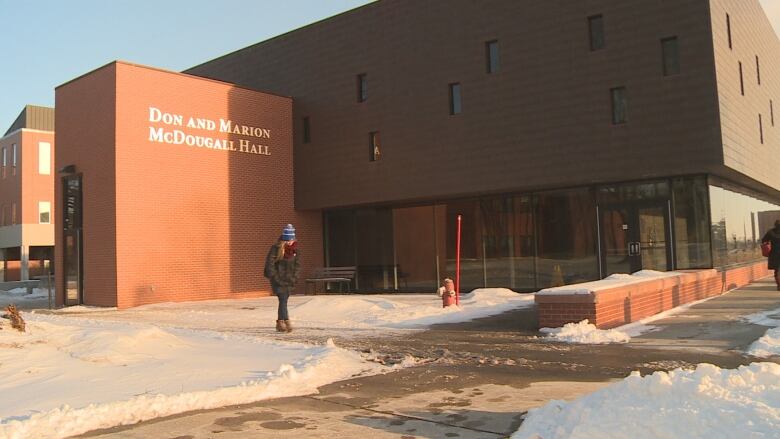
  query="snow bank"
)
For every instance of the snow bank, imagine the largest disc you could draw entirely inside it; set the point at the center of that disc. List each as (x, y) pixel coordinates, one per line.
(766, 346)
(400, 312)
(356, 313)
(585, 332)
(707, 402)
(66, 376)
(769, 344)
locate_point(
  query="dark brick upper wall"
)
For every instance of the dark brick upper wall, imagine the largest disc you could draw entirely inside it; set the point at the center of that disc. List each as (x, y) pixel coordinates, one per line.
(752, 35)
(542, 121)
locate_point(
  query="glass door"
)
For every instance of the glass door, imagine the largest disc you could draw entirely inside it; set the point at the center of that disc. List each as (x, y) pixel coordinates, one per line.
(617, 231)
(653, 245)
(634, 236)
(71, 223)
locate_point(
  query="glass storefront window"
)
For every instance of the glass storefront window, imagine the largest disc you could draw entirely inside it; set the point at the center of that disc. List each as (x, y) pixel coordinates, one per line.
(691, 218)
(566, 237)
(509, 242)
(414, 246)
(738, 223)
(472, 268)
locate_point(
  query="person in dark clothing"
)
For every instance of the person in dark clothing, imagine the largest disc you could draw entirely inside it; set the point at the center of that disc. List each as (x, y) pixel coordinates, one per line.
(282, 266)
(773, 237)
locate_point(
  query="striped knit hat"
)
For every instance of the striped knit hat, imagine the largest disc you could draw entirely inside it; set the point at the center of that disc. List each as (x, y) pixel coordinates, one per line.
(288, 234)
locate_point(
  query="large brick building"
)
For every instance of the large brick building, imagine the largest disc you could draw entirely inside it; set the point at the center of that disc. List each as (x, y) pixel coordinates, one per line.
(27, 195)
(577, 139)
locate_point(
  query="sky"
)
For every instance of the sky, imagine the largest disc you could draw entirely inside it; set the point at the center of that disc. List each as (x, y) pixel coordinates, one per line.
(46, 43)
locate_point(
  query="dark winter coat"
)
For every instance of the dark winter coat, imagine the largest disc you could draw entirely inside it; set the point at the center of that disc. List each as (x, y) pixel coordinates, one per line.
(773, 236)
(282, 272)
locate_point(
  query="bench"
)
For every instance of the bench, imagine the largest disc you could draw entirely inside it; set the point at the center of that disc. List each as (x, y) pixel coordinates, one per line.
(328, 275)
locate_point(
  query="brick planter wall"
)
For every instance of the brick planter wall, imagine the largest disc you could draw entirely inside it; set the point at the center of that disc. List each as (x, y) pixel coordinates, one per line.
(617, 306)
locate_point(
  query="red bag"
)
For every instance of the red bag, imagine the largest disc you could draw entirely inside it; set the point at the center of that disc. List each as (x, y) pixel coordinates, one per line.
(766, 248)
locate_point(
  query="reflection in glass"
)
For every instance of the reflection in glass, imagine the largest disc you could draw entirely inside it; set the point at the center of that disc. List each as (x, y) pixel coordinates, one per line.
(509, 242)
(691, 231)
(415, 249)
(566, 237)
(472, 270)
(652, 238)
(738, 222)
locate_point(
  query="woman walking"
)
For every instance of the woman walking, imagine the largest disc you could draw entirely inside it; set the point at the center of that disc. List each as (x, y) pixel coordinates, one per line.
(773, 237)
(281, 268)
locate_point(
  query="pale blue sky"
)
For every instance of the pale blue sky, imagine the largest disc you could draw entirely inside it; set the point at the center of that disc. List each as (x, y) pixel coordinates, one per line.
(45, 43)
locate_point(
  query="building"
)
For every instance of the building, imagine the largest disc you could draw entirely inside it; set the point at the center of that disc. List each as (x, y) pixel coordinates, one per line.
(172, 187)
(27, 195)
(576, 139)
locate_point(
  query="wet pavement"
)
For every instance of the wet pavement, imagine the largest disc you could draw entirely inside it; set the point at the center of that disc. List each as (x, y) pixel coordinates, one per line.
(476, 379)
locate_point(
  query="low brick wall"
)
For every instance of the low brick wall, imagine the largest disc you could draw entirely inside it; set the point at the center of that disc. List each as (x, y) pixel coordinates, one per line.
(608, 308)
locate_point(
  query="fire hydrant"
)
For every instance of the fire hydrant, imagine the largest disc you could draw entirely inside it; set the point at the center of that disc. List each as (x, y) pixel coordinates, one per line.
(447, 293)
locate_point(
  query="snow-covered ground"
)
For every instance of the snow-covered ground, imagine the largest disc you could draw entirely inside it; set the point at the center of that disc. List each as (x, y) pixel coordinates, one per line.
(708, 402)
(769, 344)
(585, 332)
(84, 368)
(349, 314)
(65, 376)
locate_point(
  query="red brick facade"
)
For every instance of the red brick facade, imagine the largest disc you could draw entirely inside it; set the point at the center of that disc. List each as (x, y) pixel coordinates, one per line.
(174, 222)
(625, 304)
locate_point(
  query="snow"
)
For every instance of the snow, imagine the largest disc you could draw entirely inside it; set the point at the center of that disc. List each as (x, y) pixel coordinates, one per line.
(769, 344)
(766, 346)
(67, 375)
(585, 332)
(611, 281)
(705, 402)
(352, 315)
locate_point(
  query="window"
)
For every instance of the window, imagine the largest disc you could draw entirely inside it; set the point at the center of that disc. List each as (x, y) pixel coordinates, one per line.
(44, 158)
(491, 51)
(596, 29)
(741, 80)
(375, 147)
(761, 129)
(455, 99)
(670, 55)
(619, 105)
(44, 212)
(362, 87)
(758, 71)
(13, 155)
(306, 130)
(5, 160)
(728, 28)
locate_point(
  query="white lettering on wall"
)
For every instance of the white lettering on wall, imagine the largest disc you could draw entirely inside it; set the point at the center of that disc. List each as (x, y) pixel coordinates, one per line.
(160, 134)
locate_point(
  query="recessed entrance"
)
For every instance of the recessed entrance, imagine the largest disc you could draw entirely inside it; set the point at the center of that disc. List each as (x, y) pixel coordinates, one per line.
(635, 236)
(71, 223)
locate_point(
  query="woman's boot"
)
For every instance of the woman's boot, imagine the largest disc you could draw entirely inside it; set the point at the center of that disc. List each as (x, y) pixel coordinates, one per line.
(281, 327)
(288, 325)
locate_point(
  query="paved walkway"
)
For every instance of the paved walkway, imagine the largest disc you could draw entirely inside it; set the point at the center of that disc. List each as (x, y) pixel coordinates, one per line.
(476, 380)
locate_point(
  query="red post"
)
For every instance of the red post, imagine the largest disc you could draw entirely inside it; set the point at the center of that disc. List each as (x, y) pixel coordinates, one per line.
(457, 265)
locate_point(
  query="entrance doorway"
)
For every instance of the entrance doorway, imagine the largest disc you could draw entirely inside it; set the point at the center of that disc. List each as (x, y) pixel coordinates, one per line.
(72, 237)
(635, 236)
